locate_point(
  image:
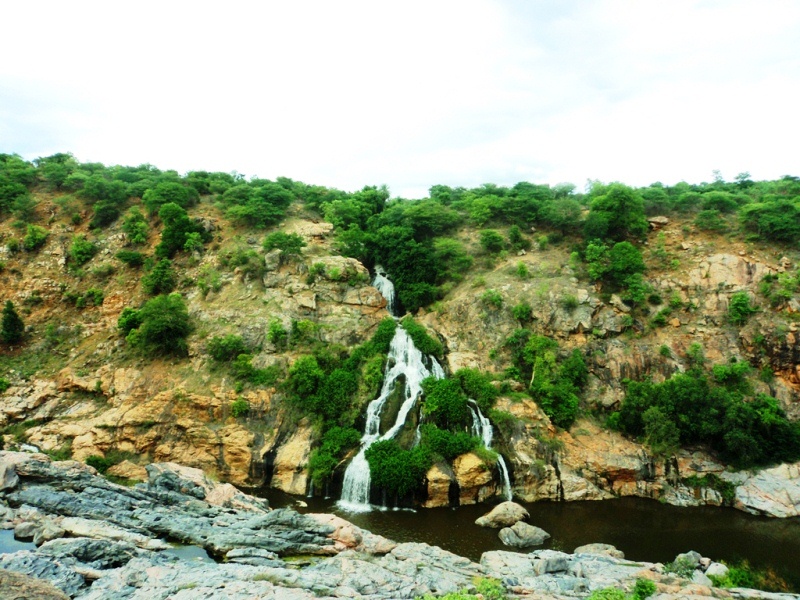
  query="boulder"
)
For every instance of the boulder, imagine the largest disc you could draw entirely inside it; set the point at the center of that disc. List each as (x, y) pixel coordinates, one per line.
(522, 535)
(504, 514)
(716, 569)
(600, 550)
(128, 470)
(16, 586)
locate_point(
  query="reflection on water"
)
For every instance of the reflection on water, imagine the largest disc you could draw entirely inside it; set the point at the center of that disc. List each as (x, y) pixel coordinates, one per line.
(644, 529)
(9, 544)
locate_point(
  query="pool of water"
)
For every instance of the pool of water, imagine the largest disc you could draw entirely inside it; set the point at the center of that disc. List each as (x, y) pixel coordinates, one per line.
(9, 544)
(644, 529)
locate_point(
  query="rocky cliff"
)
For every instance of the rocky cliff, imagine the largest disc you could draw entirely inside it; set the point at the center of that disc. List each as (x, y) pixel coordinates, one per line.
(78, 388)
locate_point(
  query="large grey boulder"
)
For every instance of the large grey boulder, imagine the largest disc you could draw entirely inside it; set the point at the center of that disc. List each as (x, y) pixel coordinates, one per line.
(504, 514)
(522, 535)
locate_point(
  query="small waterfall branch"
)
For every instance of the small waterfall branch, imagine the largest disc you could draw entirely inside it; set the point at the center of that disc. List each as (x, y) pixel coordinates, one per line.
(482, 428)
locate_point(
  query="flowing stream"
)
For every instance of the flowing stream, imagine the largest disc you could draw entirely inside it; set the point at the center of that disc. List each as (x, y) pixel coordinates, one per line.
(482, 428)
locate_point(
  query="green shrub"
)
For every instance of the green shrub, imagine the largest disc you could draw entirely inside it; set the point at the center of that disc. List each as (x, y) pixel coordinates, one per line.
(4, 384)
(644, 588)
(492, 298)
(131, 258)
(710, 220)
(422, 340)
(739, 308)
(82, 250)
(445, 403)
(12, 328)
(164, 327)
(478, 386)
(523, 312)
(162, 279)
(569, 302)
(277, 334)
(448, 444)
(290, 244)
(607, 594)
(35, 238)
(100, 463)
(226, 348)
(397, 471)
(240, 408)
(135, 227)
(491, 241)
(128, 320)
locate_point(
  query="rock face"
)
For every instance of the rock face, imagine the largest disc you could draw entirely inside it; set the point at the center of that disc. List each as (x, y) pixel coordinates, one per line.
(774, 492)
(115, 549)
(504, 514)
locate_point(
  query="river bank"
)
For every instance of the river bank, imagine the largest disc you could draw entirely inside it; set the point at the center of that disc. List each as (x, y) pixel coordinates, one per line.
(96, 540)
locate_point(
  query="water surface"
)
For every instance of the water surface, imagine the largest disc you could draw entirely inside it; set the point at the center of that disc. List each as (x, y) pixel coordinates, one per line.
(643, 529)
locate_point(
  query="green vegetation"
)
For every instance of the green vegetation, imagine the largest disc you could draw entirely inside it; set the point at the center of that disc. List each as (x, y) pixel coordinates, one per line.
(290, 244)
(691, 408)
(554, 382)
(739, 308)
(12, 329)
(227, 348)
(742, 574)
(35, 238)
(421, 338)
(485, 588)
(398, 471)
(160, 327)
(240, 408)
(161, 279)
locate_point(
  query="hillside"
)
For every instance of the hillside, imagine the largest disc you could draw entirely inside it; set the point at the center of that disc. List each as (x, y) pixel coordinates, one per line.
(540, 303)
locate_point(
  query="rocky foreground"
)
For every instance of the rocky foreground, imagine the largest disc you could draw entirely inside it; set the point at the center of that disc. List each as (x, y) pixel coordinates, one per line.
(96, 540)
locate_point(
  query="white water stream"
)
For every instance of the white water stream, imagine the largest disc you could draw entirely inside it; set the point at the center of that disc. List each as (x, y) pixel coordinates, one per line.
(482, 428)
(404, 360)
(407, 362)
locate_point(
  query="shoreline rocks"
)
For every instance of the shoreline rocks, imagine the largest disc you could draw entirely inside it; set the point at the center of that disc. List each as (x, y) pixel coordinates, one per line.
(111, 542)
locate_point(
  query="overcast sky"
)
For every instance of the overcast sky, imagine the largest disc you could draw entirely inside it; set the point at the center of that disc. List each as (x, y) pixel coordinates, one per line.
(409, 93)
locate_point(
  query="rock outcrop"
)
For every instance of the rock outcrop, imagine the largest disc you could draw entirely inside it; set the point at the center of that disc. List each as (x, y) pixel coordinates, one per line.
(121, 550)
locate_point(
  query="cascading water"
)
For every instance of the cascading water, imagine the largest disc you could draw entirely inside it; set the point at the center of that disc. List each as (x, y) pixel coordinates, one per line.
(406, 361)
(385, 287)
(482, 428)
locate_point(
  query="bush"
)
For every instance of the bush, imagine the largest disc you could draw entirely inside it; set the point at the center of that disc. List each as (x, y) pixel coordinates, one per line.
(226, 348)
(422, 340)
(35, 238)
(129, 320)
(100, 463)
(290, 244)
(240, 408)
(397, 471)
(12, 328)
(135, 227)
(523, 312)
(478, 386)
(164, 326)
(169, 192)
(739, 308)
(82, 250)
(4, 384)
(161, 279)
(445, 403)
(710, 220)
(130, 258)
(491, 241)
(492, 298)
(644, 588)
(448, 444)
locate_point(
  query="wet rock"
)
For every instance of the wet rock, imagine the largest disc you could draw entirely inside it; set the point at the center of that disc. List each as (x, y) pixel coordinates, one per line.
(43, 568)
(25, 531)
(504, 514)
(522, 535)
(254, 556)
(96, 554)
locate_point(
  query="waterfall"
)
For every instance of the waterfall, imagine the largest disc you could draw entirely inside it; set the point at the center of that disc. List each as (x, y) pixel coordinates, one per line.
(385, 287)
(404, 360)
(482, 428)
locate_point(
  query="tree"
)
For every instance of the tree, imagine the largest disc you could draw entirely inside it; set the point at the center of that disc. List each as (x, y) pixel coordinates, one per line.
(12, 328)
(164, 326)
(290, 244)
(617, 214)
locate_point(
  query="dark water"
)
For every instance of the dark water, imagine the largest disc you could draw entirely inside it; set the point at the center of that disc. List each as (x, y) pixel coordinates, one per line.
(645, 530)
